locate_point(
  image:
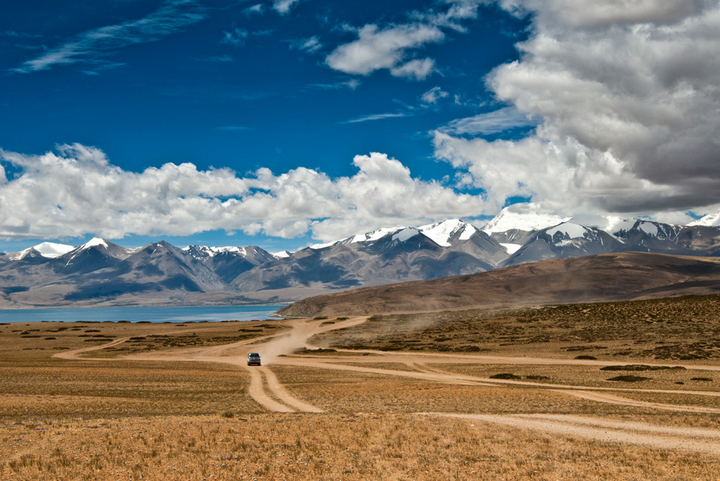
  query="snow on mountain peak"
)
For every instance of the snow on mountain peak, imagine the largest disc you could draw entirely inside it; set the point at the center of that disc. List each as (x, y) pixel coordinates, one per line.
(649, 228)
(29, 252)
(439, 232)
(377, 234)
(710, 220)
(526, 221)
(405, 234)
(568, 230)
(617, 225)
(213, 251)
(442, 232)
(324, 245)
(95, 241)
(367, 237)
(52, 250)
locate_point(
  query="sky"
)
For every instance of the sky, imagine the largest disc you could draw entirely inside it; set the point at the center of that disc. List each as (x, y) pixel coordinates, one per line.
(283, 123)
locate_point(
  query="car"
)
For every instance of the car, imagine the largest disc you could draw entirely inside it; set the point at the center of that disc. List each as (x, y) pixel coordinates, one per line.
(253, 359)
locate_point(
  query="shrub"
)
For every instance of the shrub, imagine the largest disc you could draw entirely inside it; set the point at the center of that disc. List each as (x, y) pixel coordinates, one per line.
(505, 375)
(628, 378)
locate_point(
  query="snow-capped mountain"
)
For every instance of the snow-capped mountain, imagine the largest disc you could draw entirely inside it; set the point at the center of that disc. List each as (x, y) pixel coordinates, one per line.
(49, 250)
(565, 240)
(510, 220)
(205, 251)
(514, 229)
(399, 233)
(447, 232)
(29, 253)
(229, 262)
(52, 250)
(383, 256)
(627, 228)
(650, 236)
(159, 273)
(709, 220)
(444, 234)
(93, 255)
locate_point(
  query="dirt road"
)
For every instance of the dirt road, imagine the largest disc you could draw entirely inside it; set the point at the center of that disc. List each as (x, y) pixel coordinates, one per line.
(267, 391)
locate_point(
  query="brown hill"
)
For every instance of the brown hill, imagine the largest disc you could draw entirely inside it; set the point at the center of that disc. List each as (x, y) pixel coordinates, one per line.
(607, 277)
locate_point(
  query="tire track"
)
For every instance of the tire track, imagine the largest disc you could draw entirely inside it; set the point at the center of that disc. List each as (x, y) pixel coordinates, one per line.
(264, 387)
(279, 391)
(257, 392)
(663, 437)
(75, 354)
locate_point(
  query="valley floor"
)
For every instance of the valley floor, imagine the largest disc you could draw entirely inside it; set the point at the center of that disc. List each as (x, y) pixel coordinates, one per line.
(134, 401)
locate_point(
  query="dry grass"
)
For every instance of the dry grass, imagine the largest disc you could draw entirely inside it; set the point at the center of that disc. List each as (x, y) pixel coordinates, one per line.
(674, 329)
(321, 447)
(590, 376)
(97, 418)
(362, 392)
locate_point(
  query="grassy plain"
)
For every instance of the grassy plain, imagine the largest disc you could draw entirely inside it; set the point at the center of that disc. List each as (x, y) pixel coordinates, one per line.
(106, 415)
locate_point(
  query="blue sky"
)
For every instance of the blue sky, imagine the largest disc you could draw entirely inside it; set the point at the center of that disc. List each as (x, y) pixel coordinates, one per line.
(282, 123)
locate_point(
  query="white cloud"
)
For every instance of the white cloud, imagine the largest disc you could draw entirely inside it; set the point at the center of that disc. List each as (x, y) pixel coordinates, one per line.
(433, 95)
(415, 69)
(255, 9)
(76, 191)
(310, 45)
(370, 118)
(283, 7)
(388, 48)
(626, 92)
(170, 17)
(394, 47)
(489, 123)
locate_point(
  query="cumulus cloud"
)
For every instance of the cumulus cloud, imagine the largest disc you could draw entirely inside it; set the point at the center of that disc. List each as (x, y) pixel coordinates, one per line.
(415, 69)
(377, 48)
(89, 46)
(627, 96)
(395, 46)
(77, 190)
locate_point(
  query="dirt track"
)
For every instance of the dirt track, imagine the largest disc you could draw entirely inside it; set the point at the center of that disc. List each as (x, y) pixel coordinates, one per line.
(267, 391)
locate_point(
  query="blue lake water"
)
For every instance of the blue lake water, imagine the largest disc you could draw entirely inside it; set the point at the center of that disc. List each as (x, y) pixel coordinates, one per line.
(137, 314)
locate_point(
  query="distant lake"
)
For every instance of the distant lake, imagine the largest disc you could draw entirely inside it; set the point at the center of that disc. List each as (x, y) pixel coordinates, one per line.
(137, 314)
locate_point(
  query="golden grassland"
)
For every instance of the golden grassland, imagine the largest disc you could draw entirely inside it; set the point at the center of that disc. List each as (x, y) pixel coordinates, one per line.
(106, 416)
(322, 447)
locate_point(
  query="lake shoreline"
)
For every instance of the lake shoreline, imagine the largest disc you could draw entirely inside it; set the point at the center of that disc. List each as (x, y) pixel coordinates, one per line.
(176, 314)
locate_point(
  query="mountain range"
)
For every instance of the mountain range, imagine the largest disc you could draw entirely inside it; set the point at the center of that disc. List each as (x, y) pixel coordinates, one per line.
(100, 273)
